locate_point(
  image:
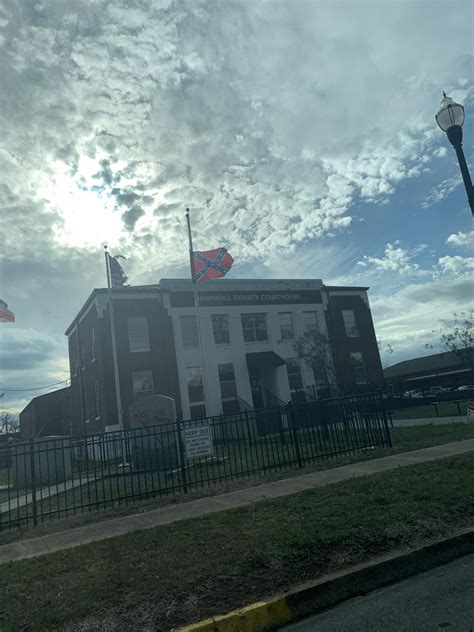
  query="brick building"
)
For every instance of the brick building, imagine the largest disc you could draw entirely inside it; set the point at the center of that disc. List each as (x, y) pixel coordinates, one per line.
(248, 329)
(47, 415)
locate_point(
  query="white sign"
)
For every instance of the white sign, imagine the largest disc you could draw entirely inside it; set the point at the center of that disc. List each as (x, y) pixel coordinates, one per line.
(198, 441)
(470, 409)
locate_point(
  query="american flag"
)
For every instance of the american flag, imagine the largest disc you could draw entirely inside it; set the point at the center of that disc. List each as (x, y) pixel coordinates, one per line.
(6, 315)
(117, 275)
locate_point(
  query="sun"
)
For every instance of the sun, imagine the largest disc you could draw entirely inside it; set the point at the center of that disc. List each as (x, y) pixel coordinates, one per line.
(87, 217)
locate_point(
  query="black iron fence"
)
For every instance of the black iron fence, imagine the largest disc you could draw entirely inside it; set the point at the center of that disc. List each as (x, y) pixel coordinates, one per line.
(54, 477)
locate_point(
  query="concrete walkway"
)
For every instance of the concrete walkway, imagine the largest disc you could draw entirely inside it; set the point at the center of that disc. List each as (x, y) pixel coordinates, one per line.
(209, 505)
(45, 492)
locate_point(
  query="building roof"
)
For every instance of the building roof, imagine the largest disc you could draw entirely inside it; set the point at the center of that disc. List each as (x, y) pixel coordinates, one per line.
(437, 362)
(50, 394)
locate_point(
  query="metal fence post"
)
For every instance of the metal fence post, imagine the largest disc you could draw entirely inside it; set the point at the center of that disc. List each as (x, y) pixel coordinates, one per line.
(294, 433)
(181, 455)
(33, 482)
(249, 436)
(385, 422)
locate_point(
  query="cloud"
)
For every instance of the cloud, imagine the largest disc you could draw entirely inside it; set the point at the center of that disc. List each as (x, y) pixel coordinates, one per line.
(456, 265)
(406, 318)
(396, 259)
(26, 349)
(461, 239)
(442, 190)
(441, 152)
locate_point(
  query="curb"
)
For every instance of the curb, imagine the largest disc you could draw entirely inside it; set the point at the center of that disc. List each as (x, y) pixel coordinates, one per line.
(312, 597)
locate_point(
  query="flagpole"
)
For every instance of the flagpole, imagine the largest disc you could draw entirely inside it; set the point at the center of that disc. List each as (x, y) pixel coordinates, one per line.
(114, 344)
(198, 316)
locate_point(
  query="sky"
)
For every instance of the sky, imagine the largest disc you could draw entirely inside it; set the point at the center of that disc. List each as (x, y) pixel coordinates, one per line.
(301, 135)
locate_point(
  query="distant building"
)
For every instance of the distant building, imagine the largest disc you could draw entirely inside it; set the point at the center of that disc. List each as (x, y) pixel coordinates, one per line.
(47, 415)
(438, 369)
(248, 330)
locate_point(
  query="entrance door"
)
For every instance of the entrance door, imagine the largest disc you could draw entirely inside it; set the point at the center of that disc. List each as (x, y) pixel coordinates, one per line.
(257, 393)
(268, 419)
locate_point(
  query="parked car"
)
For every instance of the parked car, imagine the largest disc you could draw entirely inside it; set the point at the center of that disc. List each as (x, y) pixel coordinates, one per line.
(413, 393)
(466, 387)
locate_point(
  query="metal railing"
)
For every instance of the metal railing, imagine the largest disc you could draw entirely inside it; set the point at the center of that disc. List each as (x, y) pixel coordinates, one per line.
(49, 477)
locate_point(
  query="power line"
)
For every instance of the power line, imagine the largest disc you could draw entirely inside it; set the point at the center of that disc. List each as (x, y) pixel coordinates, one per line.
(37, 388)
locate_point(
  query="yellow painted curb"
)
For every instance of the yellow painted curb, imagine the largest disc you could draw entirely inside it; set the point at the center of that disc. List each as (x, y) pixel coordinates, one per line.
(262, 615)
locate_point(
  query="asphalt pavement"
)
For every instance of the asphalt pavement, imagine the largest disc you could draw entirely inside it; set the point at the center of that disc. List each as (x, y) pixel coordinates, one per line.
(440, 599)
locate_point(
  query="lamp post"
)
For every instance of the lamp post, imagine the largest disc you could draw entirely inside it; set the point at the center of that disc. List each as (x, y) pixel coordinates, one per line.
(450, 118)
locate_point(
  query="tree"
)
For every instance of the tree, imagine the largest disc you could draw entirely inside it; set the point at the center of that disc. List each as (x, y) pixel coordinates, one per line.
(385, 348)
(314, 349)
(457, 336)
(7, 423)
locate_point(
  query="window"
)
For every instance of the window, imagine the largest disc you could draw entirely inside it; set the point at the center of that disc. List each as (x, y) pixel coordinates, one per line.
(294, 374)
(358, 366)
(83, 357)
(254, 327)
(138, 339)
(230, 403)
(197, 405)
(220, 327)
(97, 399)
(295, 379)
(286, 325)
(92, 345)
(189, 332)
(85, 411)
(350, 323)
(310, 322)
(142, 382)
(73, 360)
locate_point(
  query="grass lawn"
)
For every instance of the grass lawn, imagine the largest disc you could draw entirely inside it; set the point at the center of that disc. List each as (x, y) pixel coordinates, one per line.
(176, 574)
(445, 409)
(416, 437)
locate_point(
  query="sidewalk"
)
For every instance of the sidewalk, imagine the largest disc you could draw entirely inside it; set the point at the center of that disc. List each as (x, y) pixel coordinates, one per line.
(193, 509)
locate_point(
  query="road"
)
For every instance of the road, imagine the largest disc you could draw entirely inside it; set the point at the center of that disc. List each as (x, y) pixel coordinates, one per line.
(440, 599)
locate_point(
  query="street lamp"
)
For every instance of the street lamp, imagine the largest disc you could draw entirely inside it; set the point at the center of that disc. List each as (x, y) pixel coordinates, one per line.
(450, 118)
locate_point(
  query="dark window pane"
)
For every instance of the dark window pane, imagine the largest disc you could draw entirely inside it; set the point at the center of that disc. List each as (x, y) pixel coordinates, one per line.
(220, 326)
(230, 406)
(358, 367)
(254, 327)
(196, 393)
(198, 411)
(286, 325)
(189, 331)
(350, 323)
(138, 339)
(294, 374)
(228, 389)
(226, 372)
(310, 320)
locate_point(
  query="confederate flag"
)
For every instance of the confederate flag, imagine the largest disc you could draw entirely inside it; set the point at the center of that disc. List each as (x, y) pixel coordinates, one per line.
(211, 264)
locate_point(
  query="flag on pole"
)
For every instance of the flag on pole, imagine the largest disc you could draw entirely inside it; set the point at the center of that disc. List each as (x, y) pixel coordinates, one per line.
(211, 264)
(6, 315)
(117, 275)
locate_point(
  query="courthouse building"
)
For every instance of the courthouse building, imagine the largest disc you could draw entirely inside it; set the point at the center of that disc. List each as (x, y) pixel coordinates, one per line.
(247, 329)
